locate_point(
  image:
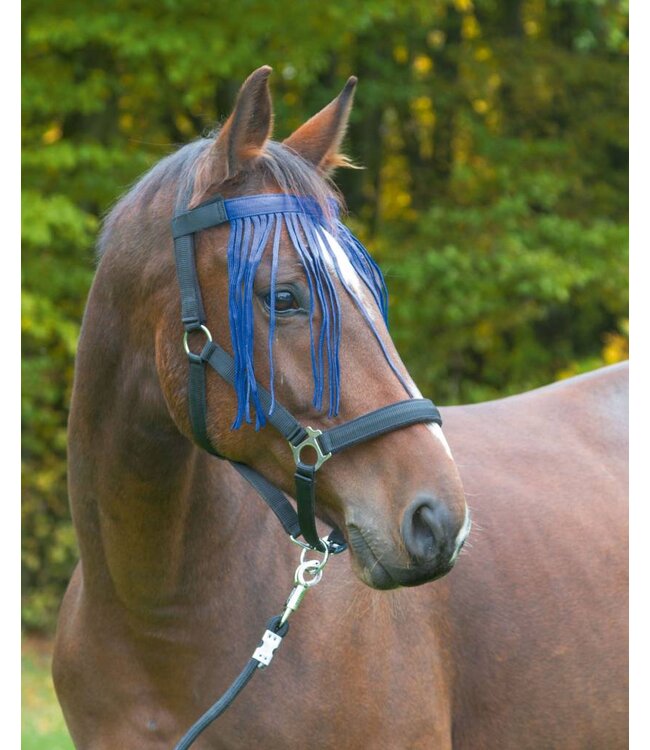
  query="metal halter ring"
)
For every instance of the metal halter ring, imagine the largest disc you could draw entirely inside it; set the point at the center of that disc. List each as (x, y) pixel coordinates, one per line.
(186, 344)
(311, 566)
(321, 563)
(310, 441)
(305, 546)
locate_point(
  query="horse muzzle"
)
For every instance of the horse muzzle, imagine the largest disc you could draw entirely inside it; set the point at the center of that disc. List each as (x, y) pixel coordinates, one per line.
(431, 539)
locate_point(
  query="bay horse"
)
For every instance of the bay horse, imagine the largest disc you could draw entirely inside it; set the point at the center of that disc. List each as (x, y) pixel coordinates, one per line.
(522, 646)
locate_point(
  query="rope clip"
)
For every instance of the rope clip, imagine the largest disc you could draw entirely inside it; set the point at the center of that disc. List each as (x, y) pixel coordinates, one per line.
(308, 574)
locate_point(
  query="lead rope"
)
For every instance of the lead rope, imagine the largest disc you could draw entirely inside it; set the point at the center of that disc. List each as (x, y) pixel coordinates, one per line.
(307, 575)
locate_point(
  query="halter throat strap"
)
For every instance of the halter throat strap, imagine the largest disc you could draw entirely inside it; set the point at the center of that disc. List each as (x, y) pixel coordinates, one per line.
(218, 211)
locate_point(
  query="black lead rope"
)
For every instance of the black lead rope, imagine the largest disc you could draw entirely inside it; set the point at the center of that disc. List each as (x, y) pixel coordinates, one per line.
(220, 706)
(238, 684)
(308, 574)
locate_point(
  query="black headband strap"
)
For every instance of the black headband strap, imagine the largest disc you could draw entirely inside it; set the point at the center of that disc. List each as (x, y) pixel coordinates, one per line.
(207, 215)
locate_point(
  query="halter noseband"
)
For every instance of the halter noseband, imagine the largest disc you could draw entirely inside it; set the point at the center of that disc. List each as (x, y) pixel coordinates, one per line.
(326, 443)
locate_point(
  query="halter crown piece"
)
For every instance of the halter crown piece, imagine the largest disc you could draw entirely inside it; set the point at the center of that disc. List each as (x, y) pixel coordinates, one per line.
(255, 222)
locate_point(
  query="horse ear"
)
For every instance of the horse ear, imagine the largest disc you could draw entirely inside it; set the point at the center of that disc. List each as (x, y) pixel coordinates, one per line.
(241, 139)
(319, 139)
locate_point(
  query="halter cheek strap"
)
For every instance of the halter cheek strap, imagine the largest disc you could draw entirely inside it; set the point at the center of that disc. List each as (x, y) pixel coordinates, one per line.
(325, 443)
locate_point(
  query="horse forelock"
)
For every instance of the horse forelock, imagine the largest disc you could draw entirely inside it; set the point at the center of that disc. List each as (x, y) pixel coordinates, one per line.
(296, 176)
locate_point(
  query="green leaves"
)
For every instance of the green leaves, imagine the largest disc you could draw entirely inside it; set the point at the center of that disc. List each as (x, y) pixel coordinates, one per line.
(48, 221)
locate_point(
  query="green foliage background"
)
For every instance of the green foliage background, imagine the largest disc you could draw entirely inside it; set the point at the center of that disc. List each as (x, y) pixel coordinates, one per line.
(494, 139)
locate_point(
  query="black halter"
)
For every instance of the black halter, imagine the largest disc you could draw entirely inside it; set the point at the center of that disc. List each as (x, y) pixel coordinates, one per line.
(324, 443)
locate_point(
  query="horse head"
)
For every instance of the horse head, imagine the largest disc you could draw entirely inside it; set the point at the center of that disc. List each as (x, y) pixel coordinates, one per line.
(301, 307)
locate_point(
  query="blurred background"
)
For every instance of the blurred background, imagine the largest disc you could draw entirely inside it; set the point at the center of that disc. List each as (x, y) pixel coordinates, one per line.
(493, 136)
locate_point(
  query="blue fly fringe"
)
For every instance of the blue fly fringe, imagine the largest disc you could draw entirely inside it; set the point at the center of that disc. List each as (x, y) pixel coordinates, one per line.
(249, 238)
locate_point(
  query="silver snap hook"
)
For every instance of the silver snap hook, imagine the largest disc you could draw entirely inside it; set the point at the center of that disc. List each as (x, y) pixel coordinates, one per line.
(312, 568)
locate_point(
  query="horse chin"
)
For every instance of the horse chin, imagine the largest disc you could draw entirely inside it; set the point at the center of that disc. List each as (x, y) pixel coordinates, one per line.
(377, 577)
(385, 578)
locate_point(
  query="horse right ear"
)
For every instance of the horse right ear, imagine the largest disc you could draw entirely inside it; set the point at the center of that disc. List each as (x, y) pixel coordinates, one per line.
(241, 140)
(319, 139)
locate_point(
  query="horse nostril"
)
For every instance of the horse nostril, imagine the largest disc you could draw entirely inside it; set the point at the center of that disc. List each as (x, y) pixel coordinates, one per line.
(426, 528)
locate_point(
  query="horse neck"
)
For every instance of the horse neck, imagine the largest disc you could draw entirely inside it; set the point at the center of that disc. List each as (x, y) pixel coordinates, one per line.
(150, 509)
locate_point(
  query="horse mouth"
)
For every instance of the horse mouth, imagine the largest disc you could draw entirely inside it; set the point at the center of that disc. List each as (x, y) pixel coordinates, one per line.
(369, 566)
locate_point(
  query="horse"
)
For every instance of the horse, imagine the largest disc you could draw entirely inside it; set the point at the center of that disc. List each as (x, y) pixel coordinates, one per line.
(522, 645)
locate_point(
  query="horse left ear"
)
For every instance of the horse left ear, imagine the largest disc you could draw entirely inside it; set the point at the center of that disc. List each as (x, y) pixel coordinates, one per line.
(319, 139)
(241, 139)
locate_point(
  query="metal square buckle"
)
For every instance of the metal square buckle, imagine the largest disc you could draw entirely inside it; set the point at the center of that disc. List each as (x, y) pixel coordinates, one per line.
(312, 441)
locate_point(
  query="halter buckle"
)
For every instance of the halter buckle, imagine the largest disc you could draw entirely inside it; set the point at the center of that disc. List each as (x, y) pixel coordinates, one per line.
(310, 441)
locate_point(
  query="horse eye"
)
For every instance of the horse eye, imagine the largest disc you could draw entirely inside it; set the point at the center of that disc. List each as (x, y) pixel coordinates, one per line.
(283, 301)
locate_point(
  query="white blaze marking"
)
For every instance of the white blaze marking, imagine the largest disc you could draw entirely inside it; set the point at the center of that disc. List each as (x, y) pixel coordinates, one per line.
(433, 427)
(349, 275)
(437, 432)
(351, 278)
